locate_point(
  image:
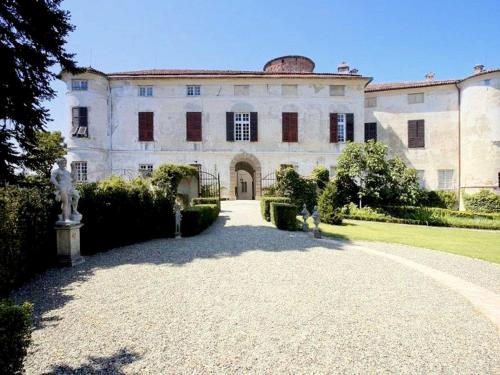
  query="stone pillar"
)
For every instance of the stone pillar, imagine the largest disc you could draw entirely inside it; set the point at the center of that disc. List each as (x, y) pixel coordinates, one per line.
(68, 244)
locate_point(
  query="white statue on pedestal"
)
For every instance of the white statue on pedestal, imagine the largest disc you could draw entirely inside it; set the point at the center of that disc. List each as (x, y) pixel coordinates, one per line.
(66, 193)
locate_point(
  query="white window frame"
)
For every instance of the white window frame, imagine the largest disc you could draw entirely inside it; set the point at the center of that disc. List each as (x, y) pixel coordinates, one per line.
(242, 126)
(79, 85)
(445, 179)
(145, 91)
(341, 127)
(193, 90)
(333, 90)
(79, 170)
(146, 170)
(416, 98)
(371, 102)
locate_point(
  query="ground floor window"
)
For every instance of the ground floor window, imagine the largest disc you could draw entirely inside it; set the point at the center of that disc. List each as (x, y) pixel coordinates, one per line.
(242, 126)
(445, 179)
(421, 178)
(79, 170)
(146, 170)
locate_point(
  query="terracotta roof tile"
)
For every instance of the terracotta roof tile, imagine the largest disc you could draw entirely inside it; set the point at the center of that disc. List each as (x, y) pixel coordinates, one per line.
(407, 85)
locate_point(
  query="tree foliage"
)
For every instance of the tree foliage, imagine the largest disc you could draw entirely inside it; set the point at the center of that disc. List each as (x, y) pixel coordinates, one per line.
(32, 39)
(167, 177)
(321, 175)
(300, 190)
(49, 146)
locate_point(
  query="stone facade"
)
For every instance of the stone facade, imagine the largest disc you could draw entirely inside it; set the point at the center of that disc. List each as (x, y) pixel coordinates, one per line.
(461, 121)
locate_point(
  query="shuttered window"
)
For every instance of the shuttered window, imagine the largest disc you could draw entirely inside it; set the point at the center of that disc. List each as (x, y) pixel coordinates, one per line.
(290, 126)
(146, 127)
(254, 127)
(370, 131)
(193, 126)
(341, 127)
(416, 134)
(333, 128)
(79, 122)
(349, 123)
(230, 126)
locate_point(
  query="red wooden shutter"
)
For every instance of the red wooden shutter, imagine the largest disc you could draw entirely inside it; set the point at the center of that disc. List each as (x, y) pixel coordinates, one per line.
(230, 126)
(333, 128)
(420, 133)
(284, 126)
(290, 126)
(146, 127)
(349, 124)
(412, 134)
(193, 127)
(254, 128)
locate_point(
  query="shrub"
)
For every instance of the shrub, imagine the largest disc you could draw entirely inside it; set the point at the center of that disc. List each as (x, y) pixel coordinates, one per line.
(118, 212)
(167, 177)
(265, 203)
(482, 201)
(438, 198)
(197, 201)
(321, 176)
(284, 215)
(15, 335)
(198, 218)
(329, 205)
(299, 189)
(27, 237)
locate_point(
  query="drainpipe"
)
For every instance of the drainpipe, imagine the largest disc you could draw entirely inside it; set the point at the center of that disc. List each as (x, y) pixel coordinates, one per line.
(459, 93)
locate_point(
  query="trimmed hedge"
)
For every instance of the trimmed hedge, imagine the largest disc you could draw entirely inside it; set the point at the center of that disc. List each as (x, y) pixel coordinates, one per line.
(198, 218)
(15, 335)
(265, 203)
(329, 205)
(118, 212)
(284, 215)
(27, 236)
(482, 201)
(438, 198)
(198, 201)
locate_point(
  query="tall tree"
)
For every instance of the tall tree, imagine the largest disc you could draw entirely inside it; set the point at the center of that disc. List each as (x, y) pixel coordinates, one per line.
(48, 148)
(32, 39)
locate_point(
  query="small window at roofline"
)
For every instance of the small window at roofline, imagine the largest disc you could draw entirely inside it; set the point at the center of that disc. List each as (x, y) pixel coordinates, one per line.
(145, 90)
(416, 98)
(193, 90)
(337, 90)
(79, 84)
(371, 102)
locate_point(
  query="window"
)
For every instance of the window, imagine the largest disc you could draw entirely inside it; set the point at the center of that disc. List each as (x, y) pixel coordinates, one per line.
(337, 90)
(341, 127)
(79, 171)
(242, 126)
(193, 90)
(370, 131)
(371, 102)
(145, 90)
(445, 179)
(244, 187)
(333, 171)
(241, 90)
(421, 178)
(146, 127)
(416, 98)
(79, 84)
(416, 134)
(288, 90)
(79, 122)
(289, 126)
(193, 126)
(146, 170)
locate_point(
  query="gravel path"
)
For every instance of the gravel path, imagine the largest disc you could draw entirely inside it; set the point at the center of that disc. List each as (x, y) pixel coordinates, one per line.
(244, 297)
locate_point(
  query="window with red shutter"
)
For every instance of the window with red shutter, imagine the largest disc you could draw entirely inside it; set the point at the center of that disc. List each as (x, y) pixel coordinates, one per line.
(193, 126)
(334, 128)
(146, 128)
(416, 134)
(290, 127)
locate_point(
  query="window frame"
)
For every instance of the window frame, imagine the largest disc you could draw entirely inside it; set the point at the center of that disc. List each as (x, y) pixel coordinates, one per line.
(450, 179)
(342, 132)
(242, 126)
(80, 123)
(80, 86)
(416, 95)
(416, 145)
(147, 89)
(146, 170)
(332, 88)
(371, 99)
(193, 90)
(79, 170)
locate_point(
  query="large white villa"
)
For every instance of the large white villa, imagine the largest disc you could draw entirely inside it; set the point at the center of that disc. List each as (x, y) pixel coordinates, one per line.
(245, 124)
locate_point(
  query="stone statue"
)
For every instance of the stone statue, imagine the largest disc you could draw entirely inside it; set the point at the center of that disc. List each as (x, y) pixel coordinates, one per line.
(62, 179)
(316, 218)
(178, 218)
(305, 215)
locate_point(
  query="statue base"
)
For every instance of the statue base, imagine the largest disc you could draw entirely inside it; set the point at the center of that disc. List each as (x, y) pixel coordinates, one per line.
(68, 243)
(316, 233)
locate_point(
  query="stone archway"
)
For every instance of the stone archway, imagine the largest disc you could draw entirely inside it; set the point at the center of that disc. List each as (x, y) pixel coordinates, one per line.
(250, 164)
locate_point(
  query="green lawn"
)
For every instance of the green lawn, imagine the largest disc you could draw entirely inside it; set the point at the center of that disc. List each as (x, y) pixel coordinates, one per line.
(472, 243)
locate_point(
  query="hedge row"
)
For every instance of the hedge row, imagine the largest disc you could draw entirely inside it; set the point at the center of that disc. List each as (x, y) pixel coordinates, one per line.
(482, 201)
(284, 215)
(197, 201)
(198, 218)
(15, 335)
(265, 203)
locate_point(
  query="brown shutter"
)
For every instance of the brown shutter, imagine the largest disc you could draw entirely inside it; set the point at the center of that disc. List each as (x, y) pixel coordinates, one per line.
(284, 126)
(230, 126)
(293, 127)
(420, 133)
(412, 133)
(349, 127)
(193, 127)
(333, 128)
(254, 127)
(146, 127)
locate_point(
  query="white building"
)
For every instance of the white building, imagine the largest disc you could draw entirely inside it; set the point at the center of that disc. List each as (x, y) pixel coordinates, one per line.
(244, 124)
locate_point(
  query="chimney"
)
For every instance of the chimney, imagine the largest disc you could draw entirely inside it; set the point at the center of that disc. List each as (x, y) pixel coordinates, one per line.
(343, 68)
(354, 71)
(478, 68)
(429, 76)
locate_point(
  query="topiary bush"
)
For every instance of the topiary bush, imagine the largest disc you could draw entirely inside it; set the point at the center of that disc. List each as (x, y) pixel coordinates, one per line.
(197, 201)
(321, 176)
(482, 201)
(198, 218)
(27, 236)
(330, 205)
(265, 205)
(15, 335)
(438, 198)
(167, 177)
(300, 190)
(284, 215)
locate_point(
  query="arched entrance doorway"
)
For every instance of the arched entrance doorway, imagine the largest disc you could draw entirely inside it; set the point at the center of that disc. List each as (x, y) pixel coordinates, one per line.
(245, 177)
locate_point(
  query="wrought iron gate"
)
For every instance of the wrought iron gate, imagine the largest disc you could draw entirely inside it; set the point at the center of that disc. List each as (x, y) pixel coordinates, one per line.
(208, 185)
(268, 181)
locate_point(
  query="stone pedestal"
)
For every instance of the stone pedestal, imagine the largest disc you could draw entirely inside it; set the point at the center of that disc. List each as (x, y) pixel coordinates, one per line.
(68, 244)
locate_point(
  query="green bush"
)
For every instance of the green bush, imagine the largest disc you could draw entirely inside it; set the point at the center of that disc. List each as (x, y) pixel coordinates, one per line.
(118, 212)
(197, 201)
(299, 189)
(167, 177)
(27, 237)
(329, 205)
(321, 176)
(284, 215)
(438, 198)
(198, 218)
(482, 201)
(265, 207)
(15, 335)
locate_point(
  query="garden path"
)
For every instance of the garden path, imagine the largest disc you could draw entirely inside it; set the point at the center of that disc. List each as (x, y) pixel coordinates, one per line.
(246, 297)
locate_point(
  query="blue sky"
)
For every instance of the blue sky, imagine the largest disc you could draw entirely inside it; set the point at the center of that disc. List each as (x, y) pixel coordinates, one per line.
(388, 40)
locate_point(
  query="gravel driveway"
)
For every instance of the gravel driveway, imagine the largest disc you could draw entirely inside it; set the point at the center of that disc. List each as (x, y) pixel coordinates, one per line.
(244, 297)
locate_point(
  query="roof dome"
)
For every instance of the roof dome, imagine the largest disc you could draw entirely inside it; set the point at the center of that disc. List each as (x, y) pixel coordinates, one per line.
(290, 64)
